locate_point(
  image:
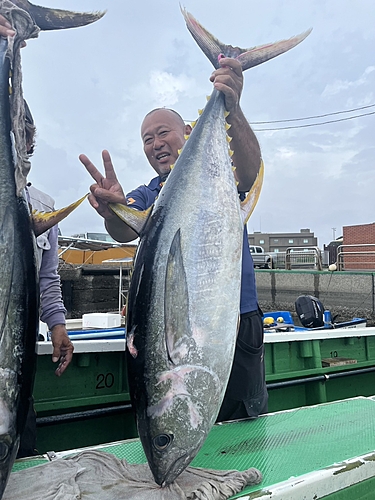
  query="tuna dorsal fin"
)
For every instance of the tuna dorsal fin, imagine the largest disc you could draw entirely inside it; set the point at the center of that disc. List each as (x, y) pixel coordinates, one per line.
(249, 58)
(56, 19)
(135, 219)
(249, 203)
(42, 221)
(176, 303)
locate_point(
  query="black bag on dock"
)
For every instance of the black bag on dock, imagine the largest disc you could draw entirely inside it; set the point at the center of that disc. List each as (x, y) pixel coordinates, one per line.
(310, 311)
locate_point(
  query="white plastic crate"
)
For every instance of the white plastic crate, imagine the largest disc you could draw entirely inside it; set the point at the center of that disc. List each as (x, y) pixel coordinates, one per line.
(101, 320)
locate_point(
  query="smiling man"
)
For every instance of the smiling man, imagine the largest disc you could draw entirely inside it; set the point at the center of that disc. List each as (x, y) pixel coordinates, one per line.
(163, 133)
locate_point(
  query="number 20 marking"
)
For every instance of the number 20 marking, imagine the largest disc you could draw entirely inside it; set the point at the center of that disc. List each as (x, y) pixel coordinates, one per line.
(105, 381)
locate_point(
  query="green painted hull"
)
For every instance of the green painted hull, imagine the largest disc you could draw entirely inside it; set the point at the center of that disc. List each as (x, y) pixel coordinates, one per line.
(91, 404)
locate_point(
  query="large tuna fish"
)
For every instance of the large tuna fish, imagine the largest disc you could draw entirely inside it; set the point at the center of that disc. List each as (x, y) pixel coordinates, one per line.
(183, 303)
(19, 295)
(19, 291)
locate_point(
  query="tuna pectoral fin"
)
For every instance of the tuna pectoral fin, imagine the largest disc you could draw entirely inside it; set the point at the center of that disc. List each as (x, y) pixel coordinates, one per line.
(176, 303)
(42, 221)
(135, 219)
(248, 205)
(248, 58)
(57, 19)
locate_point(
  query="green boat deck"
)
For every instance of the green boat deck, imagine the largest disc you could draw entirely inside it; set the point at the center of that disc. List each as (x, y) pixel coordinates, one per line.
(323, 451)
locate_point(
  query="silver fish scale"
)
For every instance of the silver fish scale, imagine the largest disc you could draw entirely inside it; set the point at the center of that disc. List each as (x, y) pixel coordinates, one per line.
(185, 384)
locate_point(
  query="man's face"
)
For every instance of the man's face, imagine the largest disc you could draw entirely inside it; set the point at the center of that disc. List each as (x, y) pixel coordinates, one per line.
(163, 135)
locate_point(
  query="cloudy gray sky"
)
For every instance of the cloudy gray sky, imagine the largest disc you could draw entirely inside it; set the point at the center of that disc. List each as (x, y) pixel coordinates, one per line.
(90, 87)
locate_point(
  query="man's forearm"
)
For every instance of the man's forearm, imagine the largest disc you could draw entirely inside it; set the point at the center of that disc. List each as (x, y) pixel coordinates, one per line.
(247, 156)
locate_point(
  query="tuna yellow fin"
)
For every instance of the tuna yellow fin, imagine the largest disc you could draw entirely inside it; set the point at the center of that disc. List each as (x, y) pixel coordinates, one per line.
(248, 205)
(135, 219)
(42, 221)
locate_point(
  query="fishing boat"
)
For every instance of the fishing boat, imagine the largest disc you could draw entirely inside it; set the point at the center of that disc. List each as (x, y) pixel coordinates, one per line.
(91, 404)
(317, 440)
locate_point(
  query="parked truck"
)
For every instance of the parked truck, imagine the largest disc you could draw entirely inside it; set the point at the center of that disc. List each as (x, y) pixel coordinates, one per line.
(261, 258)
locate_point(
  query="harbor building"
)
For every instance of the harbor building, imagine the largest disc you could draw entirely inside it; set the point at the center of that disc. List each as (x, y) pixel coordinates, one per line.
(279, 242)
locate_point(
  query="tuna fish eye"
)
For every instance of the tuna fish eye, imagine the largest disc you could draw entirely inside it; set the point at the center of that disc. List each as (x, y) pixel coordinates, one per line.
(162, 441)
(4, 449)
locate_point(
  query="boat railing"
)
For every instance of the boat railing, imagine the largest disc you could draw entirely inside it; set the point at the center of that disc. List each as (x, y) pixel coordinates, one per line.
(355, 257)
(301, 258)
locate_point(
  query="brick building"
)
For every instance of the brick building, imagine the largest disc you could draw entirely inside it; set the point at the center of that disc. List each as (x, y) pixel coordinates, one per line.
(358, 252)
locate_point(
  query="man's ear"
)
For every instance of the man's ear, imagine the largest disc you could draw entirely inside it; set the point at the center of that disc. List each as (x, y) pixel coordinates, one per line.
(188, 130)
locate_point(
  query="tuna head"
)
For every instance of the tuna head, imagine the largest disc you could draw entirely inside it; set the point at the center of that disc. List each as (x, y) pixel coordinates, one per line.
(169, 451)
(178, 420)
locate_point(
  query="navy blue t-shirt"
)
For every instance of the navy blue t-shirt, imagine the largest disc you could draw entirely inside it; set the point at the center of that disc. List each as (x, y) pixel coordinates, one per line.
(144, 196)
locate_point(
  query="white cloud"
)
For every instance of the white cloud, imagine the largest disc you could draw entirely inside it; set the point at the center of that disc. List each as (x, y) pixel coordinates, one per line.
(341, 85)
(166, 89)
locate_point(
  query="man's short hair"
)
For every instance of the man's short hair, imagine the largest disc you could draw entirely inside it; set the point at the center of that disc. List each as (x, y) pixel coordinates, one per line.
(166, 109)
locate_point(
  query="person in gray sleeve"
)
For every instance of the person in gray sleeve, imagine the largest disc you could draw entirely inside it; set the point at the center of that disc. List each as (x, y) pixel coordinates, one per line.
(52, 310)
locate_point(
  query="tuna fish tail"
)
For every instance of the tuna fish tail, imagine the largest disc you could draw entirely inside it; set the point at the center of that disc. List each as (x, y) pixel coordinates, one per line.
(56, 19)
(248, 205)
(42, 221)
(248, 58)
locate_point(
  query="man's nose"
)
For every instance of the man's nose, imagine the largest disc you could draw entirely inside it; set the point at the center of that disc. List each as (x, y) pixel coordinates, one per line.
(158, 143)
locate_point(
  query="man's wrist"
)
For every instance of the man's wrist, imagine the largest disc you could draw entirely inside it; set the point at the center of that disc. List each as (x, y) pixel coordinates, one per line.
(58, 326)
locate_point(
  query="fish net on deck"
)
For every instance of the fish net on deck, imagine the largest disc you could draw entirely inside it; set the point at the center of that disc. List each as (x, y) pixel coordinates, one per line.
(25, 28)
(95, 475)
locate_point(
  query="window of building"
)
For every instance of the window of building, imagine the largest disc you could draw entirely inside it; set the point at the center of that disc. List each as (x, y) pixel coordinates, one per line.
(276, 250)
(261, 242)
(276, 240)
(305, 241)
(291, 241)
